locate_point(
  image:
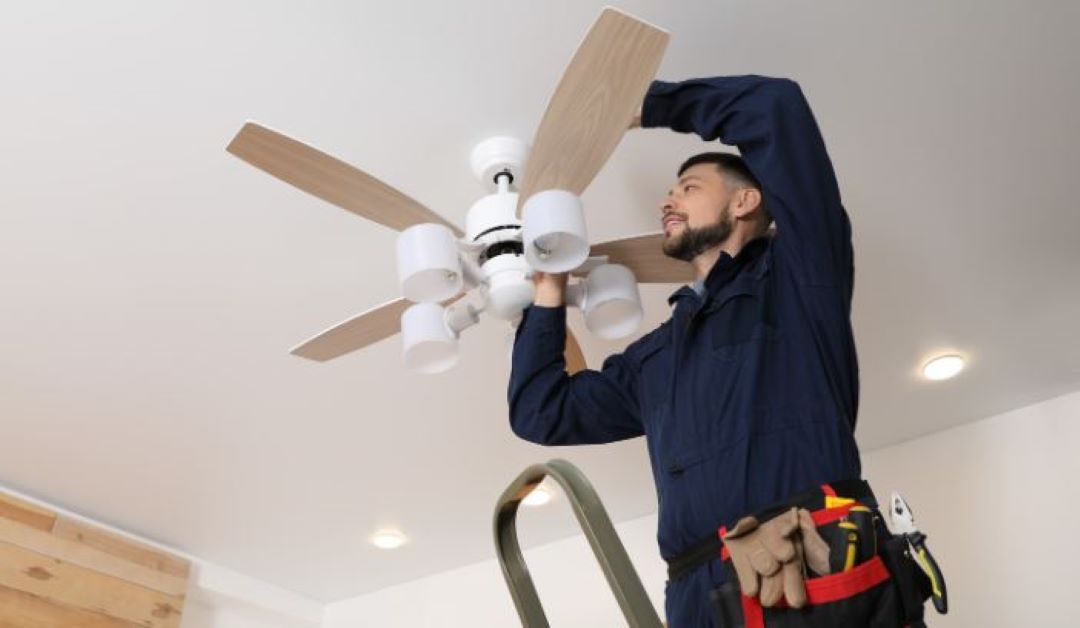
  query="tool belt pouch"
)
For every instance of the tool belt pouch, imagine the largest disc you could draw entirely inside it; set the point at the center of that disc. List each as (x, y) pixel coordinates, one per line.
(874, 582)
(912, 584)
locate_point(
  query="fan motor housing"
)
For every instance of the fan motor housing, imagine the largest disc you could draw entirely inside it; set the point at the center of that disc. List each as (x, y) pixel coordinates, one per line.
(492, 222)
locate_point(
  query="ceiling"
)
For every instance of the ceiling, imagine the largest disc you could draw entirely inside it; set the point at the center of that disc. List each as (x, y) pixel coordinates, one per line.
(152, 284)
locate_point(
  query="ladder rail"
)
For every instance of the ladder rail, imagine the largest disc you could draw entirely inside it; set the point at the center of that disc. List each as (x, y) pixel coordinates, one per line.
(595, 523)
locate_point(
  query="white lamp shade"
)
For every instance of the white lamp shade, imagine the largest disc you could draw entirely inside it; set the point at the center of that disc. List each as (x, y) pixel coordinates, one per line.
(612, 303)
(430, 345)
(553, 229)
(428, 266)
(510, 290)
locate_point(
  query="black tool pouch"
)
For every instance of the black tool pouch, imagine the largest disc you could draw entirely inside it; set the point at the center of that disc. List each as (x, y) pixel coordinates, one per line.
(910, 581)
(885, 589)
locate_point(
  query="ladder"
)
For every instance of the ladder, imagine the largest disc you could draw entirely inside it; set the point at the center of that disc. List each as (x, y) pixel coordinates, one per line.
(595, 523)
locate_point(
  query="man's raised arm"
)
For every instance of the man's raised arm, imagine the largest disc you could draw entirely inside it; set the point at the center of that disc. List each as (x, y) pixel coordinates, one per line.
(550, 407)
(770, 122)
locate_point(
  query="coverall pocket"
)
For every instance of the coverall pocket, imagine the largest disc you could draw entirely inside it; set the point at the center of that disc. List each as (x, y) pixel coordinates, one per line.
(732, 317)
(654, 371)
(757, 341)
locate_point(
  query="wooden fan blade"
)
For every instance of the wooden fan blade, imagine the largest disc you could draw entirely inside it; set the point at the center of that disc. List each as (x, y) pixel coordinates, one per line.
(329, 178)
(356, 333)
(644, 256)
(575, 359)
(599, 92)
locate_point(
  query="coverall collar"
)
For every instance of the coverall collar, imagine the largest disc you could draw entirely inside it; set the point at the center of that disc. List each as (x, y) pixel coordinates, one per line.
(725, 268)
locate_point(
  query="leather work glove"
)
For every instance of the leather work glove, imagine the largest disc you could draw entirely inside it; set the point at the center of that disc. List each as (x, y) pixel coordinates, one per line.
(815, 548)
(769, 557)
(787, 582)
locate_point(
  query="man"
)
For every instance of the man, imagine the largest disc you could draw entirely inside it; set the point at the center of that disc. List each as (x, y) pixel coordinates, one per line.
(748, 394)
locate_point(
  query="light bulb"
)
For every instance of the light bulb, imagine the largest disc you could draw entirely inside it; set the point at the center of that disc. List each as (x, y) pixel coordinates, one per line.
(943, 367)
(388, 539)
(537, 497)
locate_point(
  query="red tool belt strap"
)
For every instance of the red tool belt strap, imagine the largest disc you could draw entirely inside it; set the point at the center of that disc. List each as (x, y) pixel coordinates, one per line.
(825, 589)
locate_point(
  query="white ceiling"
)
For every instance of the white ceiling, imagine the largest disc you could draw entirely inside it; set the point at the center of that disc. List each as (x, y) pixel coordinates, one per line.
(152, 284)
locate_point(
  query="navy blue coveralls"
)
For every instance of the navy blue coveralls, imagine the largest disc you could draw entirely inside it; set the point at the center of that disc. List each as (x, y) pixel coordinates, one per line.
(748, 395)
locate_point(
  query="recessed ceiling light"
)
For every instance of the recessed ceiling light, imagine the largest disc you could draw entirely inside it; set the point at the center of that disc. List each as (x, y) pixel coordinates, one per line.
(943, 367)
(388, 539)
(537, 497)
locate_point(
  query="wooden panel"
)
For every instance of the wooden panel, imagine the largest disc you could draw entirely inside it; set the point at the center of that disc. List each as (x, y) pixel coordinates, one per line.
(88, 557)
(121, 547)
(19, 609)
(26, 513)
(77, 587)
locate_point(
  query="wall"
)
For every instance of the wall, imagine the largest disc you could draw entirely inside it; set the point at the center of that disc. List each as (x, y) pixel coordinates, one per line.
(997, 498)
(222, 598)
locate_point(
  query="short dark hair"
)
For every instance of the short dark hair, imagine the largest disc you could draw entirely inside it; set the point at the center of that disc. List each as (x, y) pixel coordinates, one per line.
(735, 171)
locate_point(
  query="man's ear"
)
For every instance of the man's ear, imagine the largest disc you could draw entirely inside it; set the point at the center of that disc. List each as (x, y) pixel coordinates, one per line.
(746, 201)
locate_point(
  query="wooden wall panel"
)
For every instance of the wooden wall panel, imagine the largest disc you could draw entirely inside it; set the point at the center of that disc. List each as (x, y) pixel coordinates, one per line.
(26, 513)
(120, 547)
(56, 571)
(19, 609)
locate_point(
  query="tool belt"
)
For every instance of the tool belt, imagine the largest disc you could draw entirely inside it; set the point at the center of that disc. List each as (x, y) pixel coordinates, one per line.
(873, 580)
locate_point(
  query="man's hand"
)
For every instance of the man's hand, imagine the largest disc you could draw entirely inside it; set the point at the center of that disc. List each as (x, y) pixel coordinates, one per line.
(635, 122)
(550, 289)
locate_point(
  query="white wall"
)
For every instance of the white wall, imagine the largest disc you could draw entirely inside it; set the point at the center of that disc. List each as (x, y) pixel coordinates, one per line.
(221, 598)
(997, 498)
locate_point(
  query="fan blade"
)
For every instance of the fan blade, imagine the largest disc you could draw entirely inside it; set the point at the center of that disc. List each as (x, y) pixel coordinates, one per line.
(599, 92)
(356, 333)
(644, 256)
(330, 179)
(575, 359)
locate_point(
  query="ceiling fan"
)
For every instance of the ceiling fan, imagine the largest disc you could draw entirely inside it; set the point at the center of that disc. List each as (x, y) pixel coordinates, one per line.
(537, 225)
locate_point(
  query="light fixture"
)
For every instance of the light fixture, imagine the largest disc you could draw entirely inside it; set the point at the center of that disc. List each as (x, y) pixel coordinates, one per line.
(553, 230)
(509, 288)
(430, 332)
(429, 269)
(429, 343)
(610, 301)
(943, 367)
(388, 539)
(539, 496)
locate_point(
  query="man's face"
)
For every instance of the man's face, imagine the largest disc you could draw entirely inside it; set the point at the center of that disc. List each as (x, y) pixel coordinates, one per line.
(696, 215)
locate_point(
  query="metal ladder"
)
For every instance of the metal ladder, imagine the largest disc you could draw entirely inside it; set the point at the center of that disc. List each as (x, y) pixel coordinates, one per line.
(595, 523)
